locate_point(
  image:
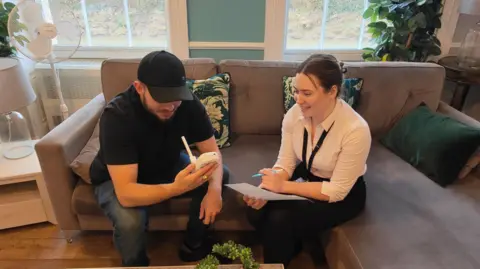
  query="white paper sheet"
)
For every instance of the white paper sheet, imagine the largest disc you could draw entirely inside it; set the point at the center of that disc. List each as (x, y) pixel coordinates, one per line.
(259, 193)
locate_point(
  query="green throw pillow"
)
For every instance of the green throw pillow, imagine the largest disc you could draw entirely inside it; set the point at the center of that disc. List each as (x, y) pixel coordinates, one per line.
(214, 95)
(435, 144)
(350, 91)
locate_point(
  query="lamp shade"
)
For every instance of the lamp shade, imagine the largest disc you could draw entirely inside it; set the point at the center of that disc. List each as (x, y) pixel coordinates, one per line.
(15, 88)
(471, 7)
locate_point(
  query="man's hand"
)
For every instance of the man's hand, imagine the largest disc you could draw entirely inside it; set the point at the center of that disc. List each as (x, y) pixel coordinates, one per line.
(186, 180)
(211, 206)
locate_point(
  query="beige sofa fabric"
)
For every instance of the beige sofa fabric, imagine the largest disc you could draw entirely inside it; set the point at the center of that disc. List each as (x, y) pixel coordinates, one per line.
(392, 89)
(256, 95)
(57, 150)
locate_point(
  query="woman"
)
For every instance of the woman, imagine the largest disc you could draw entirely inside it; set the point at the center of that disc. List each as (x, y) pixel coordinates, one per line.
(330, 143)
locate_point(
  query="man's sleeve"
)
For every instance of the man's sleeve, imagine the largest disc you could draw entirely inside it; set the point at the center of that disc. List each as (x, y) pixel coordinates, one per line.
(117, 139)
(201, 127)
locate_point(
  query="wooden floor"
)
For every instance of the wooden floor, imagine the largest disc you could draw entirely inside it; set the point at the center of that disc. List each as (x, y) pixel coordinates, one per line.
(43, 246)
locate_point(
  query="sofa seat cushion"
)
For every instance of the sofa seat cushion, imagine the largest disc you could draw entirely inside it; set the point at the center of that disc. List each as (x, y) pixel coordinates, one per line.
(409, 221)
(245, 157)
(250, 153)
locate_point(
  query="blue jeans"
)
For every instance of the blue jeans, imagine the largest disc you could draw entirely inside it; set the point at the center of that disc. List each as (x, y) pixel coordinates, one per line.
(130, 224)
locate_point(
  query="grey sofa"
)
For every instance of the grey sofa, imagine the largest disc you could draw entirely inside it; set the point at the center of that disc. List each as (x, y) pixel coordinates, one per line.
(409, 221)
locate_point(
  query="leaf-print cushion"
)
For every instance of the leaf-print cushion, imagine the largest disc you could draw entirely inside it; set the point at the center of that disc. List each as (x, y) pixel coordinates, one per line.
(351, 88)
(214, 95)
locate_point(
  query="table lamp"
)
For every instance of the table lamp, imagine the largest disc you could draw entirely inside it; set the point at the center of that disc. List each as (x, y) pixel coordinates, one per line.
(15, 92)
(469, 55)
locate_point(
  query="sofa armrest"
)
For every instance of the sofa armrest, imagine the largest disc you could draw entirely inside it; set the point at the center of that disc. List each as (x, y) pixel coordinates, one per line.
(57, 149)
(457, 115)
(447, 110)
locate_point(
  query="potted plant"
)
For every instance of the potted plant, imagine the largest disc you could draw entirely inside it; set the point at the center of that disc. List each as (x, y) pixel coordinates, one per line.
(6, 49)
(231, 251)
(403, 30)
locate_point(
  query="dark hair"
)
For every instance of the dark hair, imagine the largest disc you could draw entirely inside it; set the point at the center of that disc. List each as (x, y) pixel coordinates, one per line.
(326, 69)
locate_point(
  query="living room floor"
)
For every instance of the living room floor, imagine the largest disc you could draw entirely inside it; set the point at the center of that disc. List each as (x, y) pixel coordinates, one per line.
(43, 246)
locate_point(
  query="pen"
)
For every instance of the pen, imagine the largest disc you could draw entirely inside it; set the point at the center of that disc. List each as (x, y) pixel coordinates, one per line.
(260, 174)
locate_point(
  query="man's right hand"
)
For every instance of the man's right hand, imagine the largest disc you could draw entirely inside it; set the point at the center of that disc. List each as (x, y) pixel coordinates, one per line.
(187, 180)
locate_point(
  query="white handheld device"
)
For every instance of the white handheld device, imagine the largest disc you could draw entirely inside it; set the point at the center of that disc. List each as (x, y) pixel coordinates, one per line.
(204, 159)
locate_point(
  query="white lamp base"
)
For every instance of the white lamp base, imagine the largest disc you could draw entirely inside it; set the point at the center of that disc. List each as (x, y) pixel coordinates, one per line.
(18, 151)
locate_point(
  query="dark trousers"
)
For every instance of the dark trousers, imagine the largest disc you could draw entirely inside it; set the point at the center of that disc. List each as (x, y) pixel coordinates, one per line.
(282, 225)
(130, 224)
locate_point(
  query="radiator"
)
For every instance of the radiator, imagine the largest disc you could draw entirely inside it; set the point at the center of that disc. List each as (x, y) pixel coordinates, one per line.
(79, 80)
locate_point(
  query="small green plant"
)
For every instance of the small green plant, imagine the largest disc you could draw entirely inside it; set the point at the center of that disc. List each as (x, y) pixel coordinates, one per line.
(7, 50)
(232, 251)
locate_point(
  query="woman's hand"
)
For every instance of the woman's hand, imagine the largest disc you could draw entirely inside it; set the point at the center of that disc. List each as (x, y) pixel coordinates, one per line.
(272, 181)
(254, 203)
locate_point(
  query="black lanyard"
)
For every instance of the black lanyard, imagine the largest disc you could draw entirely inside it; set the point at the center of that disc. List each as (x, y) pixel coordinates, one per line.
(317, 147)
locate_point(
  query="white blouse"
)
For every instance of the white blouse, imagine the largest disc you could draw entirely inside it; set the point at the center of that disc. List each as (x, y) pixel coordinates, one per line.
(343, 154)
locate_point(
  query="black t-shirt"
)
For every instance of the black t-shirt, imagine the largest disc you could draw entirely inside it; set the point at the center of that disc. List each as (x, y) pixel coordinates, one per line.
(130, 134)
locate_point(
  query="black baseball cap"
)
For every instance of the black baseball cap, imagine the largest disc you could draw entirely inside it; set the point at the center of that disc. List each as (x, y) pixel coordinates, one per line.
(164, 75)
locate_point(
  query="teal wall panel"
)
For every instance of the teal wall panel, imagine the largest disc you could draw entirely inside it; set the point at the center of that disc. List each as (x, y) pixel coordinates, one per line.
(220, 54)
(226, 20)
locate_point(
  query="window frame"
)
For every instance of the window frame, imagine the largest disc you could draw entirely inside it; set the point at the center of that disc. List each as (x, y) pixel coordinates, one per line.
(177, 38)
(276, 26)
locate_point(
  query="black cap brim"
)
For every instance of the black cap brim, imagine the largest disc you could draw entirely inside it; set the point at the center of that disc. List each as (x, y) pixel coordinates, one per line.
(170, 94)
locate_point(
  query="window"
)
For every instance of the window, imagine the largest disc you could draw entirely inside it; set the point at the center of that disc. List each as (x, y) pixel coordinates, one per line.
(295, 29)
(330, 26)
(120, 28)
(326, 25)
(114, 23)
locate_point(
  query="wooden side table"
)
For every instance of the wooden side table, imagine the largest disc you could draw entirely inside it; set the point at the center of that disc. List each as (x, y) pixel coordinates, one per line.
(23, 195)
(463, 78)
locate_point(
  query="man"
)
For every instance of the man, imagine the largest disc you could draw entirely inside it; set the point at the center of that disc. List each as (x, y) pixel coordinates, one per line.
(141, 163)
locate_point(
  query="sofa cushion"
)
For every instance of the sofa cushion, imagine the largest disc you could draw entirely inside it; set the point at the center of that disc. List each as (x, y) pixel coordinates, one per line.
(256, 94)
(435, 144)
(250, 153)
(214, 95)
(81, 164)
(84, 202)
(409, 221)
(350, 91)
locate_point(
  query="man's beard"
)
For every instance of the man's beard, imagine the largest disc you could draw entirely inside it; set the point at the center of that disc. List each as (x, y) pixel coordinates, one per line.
(145, 106)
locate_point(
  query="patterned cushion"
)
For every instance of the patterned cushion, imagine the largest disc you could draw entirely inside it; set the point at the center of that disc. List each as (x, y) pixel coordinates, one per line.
(214, 95)
(350, 91)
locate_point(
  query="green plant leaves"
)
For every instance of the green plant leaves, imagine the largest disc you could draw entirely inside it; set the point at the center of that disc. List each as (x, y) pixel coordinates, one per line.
(6, 49)
(232, 251)
(405, 30)
(383, 12)
(368, 13)
(420, 20)
(378, 25)
(21, 40)
(9, 6)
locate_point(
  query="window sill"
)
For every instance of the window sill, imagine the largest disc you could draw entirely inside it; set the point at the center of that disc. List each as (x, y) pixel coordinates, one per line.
(86, 64)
